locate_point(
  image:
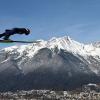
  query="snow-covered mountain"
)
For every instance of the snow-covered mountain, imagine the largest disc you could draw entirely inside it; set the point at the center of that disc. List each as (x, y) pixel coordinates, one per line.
(58, 63)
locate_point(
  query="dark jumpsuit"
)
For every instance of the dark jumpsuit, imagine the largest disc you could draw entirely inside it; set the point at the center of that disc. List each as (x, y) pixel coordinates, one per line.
(8, 33)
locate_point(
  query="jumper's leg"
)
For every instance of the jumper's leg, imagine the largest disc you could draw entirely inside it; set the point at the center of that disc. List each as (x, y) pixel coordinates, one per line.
(1, 35)
(6, 37)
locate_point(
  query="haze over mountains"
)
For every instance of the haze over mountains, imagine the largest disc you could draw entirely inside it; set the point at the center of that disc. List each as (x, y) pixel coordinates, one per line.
(59, 63)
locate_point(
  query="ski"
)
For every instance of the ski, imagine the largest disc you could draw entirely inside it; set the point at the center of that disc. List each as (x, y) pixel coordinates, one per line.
(12, 41)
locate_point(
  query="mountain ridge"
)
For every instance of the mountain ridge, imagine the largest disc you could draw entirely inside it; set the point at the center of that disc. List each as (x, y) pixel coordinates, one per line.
(65, 43)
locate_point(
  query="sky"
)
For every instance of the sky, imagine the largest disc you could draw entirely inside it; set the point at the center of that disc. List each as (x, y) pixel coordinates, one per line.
(79, 19)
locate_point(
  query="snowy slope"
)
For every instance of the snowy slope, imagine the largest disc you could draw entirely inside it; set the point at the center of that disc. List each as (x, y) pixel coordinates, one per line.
(23, 54)
(59, 60)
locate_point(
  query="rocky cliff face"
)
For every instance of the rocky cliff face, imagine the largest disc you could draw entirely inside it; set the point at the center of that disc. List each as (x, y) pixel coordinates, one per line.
(59, 63)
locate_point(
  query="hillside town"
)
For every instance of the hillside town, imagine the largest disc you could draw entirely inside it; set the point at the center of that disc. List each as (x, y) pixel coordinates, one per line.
(88, 92)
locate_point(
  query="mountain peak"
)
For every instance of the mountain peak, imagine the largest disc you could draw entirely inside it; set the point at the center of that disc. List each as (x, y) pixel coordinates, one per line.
(66, 38)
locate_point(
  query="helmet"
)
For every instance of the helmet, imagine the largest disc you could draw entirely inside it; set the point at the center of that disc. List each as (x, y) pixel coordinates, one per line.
(27, 31)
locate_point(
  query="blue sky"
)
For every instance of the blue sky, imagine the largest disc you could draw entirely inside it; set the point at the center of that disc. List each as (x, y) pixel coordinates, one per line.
(79, 19)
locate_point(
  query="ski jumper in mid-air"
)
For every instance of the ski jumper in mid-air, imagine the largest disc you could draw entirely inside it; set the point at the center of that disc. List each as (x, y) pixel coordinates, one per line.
(13, 31)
